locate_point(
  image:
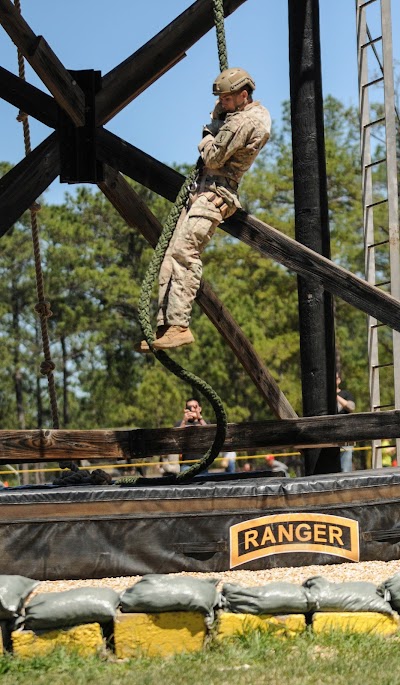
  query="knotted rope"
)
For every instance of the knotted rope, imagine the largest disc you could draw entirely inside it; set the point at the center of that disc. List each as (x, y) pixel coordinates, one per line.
(42, 307)
(144, 306)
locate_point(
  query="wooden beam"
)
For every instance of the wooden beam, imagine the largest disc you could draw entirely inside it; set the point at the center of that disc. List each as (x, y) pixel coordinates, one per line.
(127, 80)
(337, 280)
(137, 214)
(264, 238)
(138, 165)
(25, 182)
(44, 62)
(311, 220)
(28, 98)
(58, 445)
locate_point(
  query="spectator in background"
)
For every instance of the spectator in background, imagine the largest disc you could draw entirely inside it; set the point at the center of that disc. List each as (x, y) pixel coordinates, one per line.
(228, 462)
(192, 416)
(276, 466)
(345, 405)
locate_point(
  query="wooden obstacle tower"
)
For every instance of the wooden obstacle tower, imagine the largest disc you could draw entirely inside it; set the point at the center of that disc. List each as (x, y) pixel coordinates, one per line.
(81, 149)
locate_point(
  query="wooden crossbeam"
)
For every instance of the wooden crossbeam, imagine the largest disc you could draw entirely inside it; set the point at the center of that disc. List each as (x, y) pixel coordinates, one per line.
(28, 98)
(305, 262)
(138, 165)
(24, 446)
(44, 62)
(137, 214)
(25, 182)
(130, 78)
(260, 236)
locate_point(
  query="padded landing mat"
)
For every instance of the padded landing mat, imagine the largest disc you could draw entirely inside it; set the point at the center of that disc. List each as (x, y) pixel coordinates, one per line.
(82, 532)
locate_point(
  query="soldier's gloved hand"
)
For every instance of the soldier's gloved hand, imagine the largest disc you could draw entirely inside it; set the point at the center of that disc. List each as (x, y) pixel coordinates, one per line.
(213, 127)
(208, 130)
(218, 112)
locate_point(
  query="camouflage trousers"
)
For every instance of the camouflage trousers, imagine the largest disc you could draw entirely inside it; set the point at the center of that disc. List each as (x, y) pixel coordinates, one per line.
(181, 269)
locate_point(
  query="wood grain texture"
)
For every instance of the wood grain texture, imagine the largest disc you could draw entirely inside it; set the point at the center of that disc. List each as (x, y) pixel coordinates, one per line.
(58, 445)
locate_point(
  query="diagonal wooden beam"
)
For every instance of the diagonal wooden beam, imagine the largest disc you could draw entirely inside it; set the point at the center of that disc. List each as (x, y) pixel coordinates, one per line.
(28, 98)
(127, 80)
(136, 214)
(138, 165)
(264, 238)
(44, 62)
(58, 445)
(25, 182)
(304, 261)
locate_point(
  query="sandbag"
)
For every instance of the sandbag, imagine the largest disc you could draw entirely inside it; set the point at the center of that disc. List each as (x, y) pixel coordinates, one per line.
(272, 598)
(390, 591)
(49, 610)
(350, 596)
(156, 593)
(13, 591)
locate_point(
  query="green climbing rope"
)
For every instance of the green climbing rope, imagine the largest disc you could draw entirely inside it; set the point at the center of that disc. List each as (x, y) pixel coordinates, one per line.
(147, 287)
(218, 8)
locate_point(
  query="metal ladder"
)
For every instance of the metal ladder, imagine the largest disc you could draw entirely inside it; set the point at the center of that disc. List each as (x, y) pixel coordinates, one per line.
(380, 204)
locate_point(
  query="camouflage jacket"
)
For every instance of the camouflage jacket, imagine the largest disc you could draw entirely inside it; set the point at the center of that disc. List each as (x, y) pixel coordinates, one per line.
(234, 148)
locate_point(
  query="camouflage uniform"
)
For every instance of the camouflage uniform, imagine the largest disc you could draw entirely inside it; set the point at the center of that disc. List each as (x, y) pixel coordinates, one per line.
(227, 155)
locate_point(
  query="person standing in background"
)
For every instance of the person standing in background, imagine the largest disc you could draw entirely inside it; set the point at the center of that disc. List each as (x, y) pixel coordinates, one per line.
(345, 405)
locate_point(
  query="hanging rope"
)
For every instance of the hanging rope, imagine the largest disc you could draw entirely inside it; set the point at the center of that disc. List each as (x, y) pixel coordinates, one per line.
(218, 9)
(145, 298)
(42, 307)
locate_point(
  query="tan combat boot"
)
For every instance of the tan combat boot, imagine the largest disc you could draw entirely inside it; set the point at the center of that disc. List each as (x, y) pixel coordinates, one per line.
(143, 347)
(174, 336)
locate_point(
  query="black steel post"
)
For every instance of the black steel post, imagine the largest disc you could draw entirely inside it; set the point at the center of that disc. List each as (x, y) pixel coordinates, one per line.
(316, 320)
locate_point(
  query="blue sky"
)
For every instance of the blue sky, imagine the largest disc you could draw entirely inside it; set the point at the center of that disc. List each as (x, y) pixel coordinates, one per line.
(166, 120)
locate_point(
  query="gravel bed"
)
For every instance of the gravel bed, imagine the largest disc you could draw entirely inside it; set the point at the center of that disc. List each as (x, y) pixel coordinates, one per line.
(372, 571)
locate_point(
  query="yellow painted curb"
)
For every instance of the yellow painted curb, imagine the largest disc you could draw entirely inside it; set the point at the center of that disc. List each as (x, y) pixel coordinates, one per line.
(355, 622)
(161, 634)
(285, 626)
(85, 639)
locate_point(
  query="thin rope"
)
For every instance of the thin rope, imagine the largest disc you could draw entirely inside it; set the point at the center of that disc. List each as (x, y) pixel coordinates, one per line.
(145, 298)
(42, 306)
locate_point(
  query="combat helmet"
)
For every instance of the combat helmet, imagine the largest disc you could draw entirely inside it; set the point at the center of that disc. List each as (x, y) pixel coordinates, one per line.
(231, 80)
